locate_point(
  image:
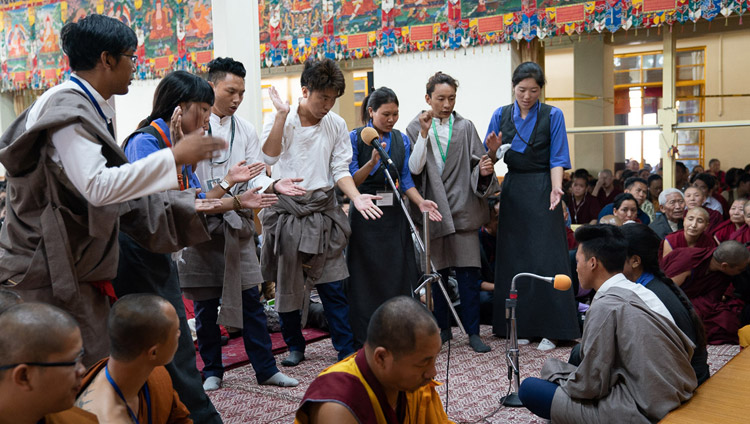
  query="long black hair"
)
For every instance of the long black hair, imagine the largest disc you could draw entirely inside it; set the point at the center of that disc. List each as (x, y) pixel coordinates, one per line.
(622, 197)
(375, 99)
(178, 87)
(529, 70)
(644, 242)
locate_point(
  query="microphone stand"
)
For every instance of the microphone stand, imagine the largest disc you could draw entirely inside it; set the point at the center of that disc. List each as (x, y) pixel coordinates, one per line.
(430, 276)
(511, 343)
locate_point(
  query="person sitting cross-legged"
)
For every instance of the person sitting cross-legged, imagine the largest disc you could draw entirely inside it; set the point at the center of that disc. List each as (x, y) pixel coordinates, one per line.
(132, 384)
(628, 340)
(389, 380)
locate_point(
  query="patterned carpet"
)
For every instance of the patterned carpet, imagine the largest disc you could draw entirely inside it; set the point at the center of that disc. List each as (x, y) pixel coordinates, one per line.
(477, 382)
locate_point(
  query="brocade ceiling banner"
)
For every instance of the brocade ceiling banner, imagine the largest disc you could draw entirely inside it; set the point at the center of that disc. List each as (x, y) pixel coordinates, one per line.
(293, 30)
(172, 34)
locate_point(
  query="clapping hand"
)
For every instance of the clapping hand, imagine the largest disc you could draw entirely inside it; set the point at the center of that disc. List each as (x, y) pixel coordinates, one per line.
(364, 205)
(252, 199)
(289, 187)
(240, 172)
(281, 106)
(432, 210)
(207, 205)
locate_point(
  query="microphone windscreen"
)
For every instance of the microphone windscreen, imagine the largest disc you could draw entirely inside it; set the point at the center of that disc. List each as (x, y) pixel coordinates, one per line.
(368, 134)
(562, 282)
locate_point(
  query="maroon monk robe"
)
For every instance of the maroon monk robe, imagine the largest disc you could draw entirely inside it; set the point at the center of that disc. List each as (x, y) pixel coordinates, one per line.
(742, 235)
(714, 218)
(724, 231)
(677, 241)
(705, 289)
(571, 235)
(585, 211)
(604, 199)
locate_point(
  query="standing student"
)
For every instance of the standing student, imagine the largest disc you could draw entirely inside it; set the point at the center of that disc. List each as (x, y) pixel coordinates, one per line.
(531, 233)
(73, 188)
(225, 269)
(451, 167)
(370, 283)
(181, 105)
(305, 236)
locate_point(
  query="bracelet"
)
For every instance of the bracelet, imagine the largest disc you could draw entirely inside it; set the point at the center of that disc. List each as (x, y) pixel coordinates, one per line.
(273, 186)
(237, 203)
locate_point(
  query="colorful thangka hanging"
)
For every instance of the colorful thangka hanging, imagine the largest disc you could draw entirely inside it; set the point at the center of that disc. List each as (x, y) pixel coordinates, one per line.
(172, 34)
(293, 30)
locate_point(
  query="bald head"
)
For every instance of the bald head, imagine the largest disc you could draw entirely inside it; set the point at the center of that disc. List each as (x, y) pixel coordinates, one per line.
(136, 323)
(733, 253)
(8, 298)
(396, 324)
(700, 211)
(31, 332)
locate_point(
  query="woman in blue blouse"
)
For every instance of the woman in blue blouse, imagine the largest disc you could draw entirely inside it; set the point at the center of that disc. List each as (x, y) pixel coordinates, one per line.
(531, 230)
(380, 255)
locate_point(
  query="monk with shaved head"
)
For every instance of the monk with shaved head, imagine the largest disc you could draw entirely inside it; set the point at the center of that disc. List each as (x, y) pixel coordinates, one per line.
(389, 379)
(40, 367)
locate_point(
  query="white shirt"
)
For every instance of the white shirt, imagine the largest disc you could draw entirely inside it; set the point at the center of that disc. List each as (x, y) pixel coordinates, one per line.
(418, 156)
(320, 153)
(246, 146)
(647, 296)
(79, 154)
(713, 204)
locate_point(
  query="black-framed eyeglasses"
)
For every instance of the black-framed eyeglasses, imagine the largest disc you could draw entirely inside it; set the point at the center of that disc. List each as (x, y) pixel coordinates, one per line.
(73, 363)
(133, 57)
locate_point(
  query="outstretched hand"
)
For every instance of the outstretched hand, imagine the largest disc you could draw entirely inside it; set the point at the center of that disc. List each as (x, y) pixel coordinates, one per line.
(432, 210)
(364, 205)
(207, 205)
(196, 147)
(252, 199)
(289, 187)
(241, 172)
(554, 197)
(281, 106)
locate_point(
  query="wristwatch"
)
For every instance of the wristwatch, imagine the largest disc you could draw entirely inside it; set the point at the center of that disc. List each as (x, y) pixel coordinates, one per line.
(224, 184)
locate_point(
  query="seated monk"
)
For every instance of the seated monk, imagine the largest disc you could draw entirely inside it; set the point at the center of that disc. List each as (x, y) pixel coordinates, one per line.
(672, 207)
(389, 380)
(693, 233)
(132, 385)
(611, 220)
(40, 367)
(705, 275)
(635, 361)
(584, 208)
(694, 197)
(742, 234)
(724, 231)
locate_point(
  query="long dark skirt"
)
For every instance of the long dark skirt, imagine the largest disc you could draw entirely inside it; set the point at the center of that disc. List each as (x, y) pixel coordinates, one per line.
(381, 262)
(531, 238)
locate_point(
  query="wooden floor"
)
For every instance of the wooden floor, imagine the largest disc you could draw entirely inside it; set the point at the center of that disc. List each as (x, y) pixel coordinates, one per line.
(724, 398)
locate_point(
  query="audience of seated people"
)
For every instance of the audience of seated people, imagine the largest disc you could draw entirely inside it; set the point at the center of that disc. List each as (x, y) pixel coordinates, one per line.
(724, 231)
(636, 187)
(693, 234)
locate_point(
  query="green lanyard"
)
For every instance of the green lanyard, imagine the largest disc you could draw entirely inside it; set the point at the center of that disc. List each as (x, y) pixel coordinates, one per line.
(437, 138)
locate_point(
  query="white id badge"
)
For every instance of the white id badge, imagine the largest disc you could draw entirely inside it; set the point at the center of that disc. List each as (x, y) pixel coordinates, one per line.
(211, 183)
(387, 198)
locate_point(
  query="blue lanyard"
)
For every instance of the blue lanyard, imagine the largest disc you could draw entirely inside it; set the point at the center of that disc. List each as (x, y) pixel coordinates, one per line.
(96, 105)
(119, 393)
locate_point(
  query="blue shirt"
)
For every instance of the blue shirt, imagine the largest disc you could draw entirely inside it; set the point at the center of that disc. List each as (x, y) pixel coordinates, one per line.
(406, 181)
(610, 210)
(142, 145)
(559, 154)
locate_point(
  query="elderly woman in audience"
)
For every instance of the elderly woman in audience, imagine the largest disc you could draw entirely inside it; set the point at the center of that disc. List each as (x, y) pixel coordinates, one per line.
(693, 234)
(742, 235)
(724, 231)
(695, 197)
(625, 207)
(672, 206)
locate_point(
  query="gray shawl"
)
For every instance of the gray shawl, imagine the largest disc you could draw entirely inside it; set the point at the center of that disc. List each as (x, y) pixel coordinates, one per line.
(228, 260)
(635, 365)
(303, 244)
(459, 192)
(50, 228)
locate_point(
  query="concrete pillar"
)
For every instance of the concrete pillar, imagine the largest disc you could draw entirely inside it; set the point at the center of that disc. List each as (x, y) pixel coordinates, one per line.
(593, 77)
(236, 34)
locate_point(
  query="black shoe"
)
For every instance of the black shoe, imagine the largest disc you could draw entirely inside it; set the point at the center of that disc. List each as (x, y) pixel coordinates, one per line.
(294, 358)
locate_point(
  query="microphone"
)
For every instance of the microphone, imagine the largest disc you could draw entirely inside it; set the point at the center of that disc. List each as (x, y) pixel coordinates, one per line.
(370, 137)
(560, 281)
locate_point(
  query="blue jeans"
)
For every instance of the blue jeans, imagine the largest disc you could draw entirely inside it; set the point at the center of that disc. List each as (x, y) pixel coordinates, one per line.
(468, 290)
(254, 335)
(336, 311)
(536, 395)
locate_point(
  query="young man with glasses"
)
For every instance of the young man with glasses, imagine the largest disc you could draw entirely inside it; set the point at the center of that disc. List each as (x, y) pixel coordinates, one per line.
(41, 353)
